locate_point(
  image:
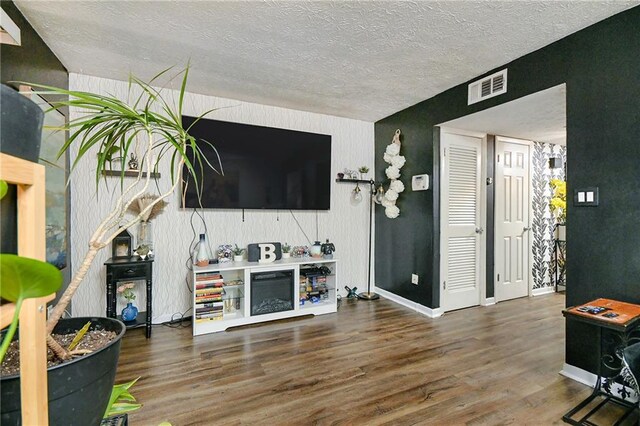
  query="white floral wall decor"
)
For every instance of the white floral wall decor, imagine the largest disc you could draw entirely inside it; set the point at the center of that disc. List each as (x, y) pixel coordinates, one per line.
(396, 162)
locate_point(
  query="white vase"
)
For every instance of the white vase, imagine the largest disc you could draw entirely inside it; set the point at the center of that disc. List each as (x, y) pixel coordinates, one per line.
(238, 258)
(201, 255)
(315, 249)
(286, 255)
(561, 232)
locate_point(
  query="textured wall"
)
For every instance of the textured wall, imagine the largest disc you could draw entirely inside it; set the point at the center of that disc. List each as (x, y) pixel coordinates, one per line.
(542, 222)
(346, 225)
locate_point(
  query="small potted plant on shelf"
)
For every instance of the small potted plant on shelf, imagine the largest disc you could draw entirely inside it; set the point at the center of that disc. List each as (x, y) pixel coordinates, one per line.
(238, 254)
(286, 251)
(363, 172)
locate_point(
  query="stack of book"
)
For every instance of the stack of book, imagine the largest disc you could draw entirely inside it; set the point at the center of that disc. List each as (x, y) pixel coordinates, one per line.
(208, 293)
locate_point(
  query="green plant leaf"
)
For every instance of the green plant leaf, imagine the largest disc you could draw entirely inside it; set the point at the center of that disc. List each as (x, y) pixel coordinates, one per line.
(22, 277)
(3, 189)
(121, 393)
(79, 335)
(122, 407)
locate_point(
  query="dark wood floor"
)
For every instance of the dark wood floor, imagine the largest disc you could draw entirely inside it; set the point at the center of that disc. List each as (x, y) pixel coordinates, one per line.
(371, 363)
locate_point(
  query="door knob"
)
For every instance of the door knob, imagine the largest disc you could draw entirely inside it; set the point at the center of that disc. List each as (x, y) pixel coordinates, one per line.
(479, 230)
(526, 228)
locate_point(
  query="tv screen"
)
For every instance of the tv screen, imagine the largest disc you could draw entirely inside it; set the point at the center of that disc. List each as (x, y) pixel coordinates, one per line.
(264, 167)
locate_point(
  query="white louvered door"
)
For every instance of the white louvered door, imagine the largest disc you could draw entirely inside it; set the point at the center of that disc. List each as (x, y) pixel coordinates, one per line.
(512, 245)
(461, 223)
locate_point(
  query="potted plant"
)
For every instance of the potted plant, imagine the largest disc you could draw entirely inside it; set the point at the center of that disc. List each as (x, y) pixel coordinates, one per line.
(363, 172)
(110, 125)
(286, 251)
(238, 254)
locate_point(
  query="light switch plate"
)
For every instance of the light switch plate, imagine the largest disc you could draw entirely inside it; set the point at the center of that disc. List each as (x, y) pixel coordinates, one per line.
(586, 197)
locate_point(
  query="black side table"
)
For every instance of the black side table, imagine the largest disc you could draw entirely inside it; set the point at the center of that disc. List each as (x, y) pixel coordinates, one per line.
(614, 334)
(129, 269)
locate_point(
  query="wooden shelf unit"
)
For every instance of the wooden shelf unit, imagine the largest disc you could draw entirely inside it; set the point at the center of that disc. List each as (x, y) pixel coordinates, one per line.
(30, 180)
(233, 306)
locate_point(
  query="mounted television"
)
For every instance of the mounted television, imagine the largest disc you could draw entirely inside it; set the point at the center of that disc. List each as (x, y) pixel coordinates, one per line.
(264, 167)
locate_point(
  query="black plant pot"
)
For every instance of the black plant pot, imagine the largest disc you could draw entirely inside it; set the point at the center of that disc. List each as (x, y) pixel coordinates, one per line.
(78, 390)
(20, 125)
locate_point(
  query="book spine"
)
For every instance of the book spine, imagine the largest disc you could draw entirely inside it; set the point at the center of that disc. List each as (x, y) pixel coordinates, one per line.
(213, 290)
(208, 299)
(209, 285)
(209, 316)
(203, 277)
(209, 309)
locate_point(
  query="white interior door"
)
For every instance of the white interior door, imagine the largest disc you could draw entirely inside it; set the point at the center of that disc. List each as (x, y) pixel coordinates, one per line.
(461, 221)
(512, 242)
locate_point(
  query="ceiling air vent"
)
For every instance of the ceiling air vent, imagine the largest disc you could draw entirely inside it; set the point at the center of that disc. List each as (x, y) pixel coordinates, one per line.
(488, 87)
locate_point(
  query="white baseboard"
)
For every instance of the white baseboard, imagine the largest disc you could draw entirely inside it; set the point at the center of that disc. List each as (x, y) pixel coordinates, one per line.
(489, 301)
(541, 291)
(421, 309)
(578, 374)
(589, 379)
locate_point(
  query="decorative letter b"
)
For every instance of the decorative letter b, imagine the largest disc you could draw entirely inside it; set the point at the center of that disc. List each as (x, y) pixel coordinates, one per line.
(267, 252)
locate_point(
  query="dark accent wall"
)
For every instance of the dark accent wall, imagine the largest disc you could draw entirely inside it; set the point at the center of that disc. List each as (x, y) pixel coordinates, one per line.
(416, 213)
(33, 62)
(601, 68)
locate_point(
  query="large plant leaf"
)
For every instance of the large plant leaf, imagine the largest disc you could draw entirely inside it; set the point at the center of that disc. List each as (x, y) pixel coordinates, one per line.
(79, 335)
(3, 189)
(24, 278)
(121, 400)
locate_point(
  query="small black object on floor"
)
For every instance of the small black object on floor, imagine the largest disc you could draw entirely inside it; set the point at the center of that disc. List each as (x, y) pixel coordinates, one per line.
(117, 420)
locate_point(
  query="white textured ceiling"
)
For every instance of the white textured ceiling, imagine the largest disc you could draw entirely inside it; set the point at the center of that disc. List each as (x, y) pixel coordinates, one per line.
(540, 117)
(362, 60)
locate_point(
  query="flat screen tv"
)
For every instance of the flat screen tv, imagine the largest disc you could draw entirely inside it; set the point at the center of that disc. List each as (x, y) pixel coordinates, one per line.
(264, 167)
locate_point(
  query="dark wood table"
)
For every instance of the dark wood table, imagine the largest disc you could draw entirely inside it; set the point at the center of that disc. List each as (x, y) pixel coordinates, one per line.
(614, 334)
(129, 269)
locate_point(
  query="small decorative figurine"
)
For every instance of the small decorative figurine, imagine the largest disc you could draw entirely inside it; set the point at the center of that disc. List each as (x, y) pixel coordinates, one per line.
(133, 162)
(143, 251)
(327, 250)
(352, 293)
(350, 174)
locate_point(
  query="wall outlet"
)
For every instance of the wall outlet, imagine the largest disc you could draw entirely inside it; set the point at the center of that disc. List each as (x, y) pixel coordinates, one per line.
(414, 279)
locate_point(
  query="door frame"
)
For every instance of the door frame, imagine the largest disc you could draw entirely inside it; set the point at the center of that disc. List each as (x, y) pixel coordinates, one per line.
(529, 144)
(483, 212)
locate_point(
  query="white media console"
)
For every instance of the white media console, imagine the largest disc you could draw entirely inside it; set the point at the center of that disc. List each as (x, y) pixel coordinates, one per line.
(239, 293)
